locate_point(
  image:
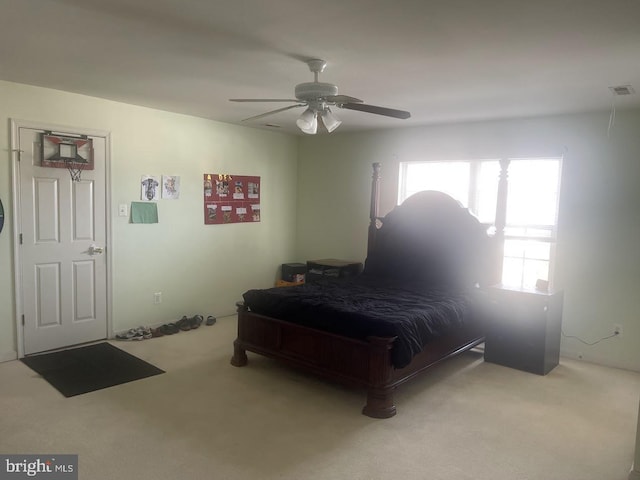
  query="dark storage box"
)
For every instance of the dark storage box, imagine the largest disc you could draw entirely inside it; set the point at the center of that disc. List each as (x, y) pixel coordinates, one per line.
(525, 329)
(290, 270)
(330, 267)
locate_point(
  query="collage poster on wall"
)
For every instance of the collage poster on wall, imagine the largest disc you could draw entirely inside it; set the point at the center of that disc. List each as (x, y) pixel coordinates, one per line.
(231, 199)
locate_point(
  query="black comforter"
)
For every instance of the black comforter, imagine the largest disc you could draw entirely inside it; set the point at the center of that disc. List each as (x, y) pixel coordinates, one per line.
(369, 306)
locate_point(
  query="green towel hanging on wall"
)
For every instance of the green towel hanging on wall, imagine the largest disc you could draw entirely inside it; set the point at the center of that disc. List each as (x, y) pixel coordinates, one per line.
(144, 212)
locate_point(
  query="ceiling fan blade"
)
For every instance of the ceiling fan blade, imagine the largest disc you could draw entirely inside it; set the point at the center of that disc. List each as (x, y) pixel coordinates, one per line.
(342, 99)
(389, 112)
(263, 100)
(255, 117)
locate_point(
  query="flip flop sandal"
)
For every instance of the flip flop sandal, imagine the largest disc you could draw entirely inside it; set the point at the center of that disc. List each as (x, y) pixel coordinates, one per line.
(184, 324)
(211, 320)
(195, 322)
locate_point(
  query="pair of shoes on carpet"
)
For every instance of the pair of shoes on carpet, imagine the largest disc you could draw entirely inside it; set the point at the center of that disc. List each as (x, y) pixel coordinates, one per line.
(184, 324)
(139, 333)
(166, 329)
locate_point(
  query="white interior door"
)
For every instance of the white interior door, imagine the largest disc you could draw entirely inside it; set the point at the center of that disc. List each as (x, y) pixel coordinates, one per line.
(63, 262)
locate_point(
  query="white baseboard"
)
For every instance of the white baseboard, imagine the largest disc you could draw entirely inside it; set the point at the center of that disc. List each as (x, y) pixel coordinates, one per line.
(8, 356)
(634, 475)
(605, 361)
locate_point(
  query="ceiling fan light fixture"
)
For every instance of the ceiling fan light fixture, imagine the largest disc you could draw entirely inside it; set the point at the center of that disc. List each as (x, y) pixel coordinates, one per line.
(331, 122)
(317, 97)
(308, 122)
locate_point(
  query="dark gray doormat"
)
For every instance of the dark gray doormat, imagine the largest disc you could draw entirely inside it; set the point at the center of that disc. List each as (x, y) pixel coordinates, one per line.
(86, 369)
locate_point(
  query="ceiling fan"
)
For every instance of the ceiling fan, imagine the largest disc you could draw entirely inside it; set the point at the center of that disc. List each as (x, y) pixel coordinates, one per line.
(318, 97)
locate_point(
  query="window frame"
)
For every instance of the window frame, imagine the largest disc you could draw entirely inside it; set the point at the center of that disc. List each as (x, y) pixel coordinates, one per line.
(472, 203)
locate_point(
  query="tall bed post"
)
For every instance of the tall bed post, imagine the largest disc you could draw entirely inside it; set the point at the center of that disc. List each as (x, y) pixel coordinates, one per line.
(634, 474)
(501, 215)
(373, 212)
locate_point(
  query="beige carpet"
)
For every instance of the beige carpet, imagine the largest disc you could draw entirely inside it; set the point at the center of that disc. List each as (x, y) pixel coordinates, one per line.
(205, 419)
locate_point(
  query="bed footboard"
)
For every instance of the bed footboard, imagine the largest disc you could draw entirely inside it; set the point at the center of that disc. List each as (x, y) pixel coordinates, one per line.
(365, 364)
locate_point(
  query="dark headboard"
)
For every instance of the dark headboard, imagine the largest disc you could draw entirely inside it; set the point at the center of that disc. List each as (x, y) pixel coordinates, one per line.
(431, 238)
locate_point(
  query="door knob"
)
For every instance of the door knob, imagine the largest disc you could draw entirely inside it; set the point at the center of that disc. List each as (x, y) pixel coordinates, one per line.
(94, 250)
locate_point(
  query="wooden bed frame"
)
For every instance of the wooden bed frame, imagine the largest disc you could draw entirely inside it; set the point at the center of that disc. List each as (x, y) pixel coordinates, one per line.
(350, 361)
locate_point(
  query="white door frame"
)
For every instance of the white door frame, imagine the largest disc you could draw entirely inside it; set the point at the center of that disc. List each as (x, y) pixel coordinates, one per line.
(16, 124)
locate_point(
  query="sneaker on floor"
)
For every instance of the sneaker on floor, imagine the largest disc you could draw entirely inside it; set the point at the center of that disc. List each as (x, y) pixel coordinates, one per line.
(211, 320)
(169, 329)
(157, 332)
(145, 332)
(131, 334)
(195, 321)
(184, 324)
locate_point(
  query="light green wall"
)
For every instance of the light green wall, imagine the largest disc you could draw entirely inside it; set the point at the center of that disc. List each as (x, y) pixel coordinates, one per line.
(204, 269)
(199, 269)
(599, 231)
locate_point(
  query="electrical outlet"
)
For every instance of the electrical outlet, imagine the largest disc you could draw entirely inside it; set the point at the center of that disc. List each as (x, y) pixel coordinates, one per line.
(617, 329)
(122, 210)
(157, 297)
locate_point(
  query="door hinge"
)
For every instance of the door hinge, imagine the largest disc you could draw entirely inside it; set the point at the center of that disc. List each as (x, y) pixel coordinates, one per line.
(20, 239)
(23, 320)
(19, 152)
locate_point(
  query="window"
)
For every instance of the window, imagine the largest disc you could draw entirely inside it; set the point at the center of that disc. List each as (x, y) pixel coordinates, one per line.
(532, 206)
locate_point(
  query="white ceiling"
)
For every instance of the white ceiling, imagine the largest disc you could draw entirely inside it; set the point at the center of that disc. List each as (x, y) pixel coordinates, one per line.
(444, 61)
